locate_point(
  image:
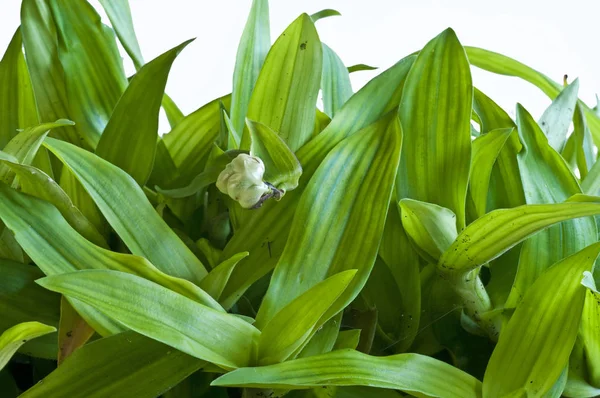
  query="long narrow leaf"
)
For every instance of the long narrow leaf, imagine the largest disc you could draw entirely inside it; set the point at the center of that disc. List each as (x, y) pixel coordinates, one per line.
(532, 352)
(128, 211)
(162, 314)
(436, 113)
(411, 373)
(129, 139)
(15, 337)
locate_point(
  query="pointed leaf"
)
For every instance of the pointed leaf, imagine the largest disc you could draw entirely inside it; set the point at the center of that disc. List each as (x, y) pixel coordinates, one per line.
(220, 338)
(431, 228)
(360, 67)
(128, 211)
(328, 12)
(557, 118)
(252, 51)
(486, 149)
(501, 64)
(217, 278)
(17, 104)
(320, 243)
(15, 337)
(37, 183)
(532, 352)
(129, 139)
(546, 179)
(436, 113)
(272, 223)
(292, 325)
(22, 300)
(49, 240)
(335, 82)
(347, 339)
(47, 74)
(122, 357)
(288, 84)
(411, 373)
(93, 69)
(119, 14)
(282, 168)
(24, 146)
(192, 139)
(499, 230)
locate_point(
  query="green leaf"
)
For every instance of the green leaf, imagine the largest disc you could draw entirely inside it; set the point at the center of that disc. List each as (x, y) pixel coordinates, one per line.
(17, 104)
(24, 146)
(335, 82)
(360, 67)
(347, 339)
(50, 242)
(220, 338)
(328, 12)
(486, 149)
(431, 228)
(324, 338)
(591, 183)
(532, 351)
(122, 358)
(93, 68)
(22, 300)
(217, 278)
(119, 14)
(402, 262)
(15, 337)
(435, 112)
(37, 183)
(337, 203)
(557, 118)
(272, 223)
(546, 179)
(506, 188)
(501, 64)
(47, 74)
(252, 51)
(493, 234)
(282, 168)
(411, 373)
(582, 141)
(128, 211)
(286, 91)
(129, 139)
(590, 325)
(190, 142)
(294, 323)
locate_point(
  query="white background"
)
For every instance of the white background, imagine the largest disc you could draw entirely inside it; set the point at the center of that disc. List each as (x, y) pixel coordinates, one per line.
(554, 37)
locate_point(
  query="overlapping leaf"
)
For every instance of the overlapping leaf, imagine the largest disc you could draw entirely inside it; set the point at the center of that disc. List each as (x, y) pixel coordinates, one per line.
(532, 351)
(162, 314)
(128, 211)
(16, 336)
(338, 203)
(411, 373)
(286, 89)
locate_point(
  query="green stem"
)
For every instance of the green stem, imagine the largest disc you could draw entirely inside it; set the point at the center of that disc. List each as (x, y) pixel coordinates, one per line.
(470, 289)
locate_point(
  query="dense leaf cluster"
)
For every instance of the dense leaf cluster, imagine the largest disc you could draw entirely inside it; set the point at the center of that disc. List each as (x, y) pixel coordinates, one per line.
(409, 238)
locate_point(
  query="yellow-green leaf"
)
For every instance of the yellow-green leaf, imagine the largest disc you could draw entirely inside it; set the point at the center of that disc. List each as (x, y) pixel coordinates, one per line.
(15, 337)
(128, 211)
(412, 373)
(129, 139)
(337, 203)
(294, 323)
(532, 351)
(435, 112)
(162, 314)
(286, 90)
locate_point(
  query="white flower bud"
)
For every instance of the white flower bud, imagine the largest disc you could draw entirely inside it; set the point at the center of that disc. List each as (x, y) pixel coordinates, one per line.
(242, 180)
